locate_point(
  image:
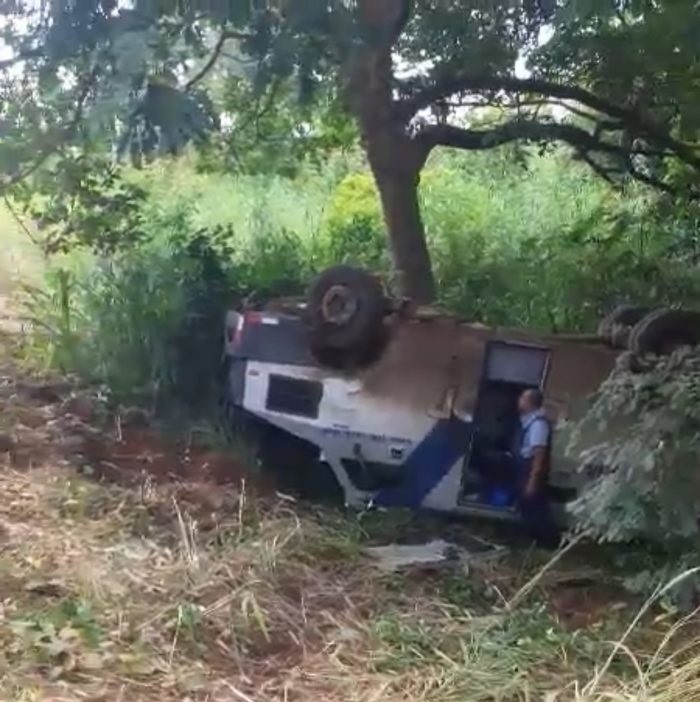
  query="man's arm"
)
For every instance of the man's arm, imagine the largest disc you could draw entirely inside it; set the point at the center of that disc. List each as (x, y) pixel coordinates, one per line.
(540, 441)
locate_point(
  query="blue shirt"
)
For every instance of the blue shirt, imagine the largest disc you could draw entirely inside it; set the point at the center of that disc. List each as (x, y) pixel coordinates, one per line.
(535, 433)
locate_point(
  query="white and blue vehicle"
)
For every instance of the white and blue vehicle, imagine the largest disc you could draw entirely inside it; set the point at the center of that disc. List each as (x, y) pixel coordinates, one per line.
(394, 406)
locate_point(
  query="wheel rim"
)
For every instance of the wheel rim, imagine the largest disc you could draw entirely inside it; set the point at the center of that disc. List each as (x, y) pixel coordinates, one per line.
(338, 305)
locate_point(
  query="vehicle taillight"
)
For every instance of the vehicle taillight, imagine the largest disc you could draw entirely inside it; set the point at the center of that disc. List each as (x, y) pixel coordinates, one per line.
(236, 324)
(234, 329)
(247, 318)
(238, 331)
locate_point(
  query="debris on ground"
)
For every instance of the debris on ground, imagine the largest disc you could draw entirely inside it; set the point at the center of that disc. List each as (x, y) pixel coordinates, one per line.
(395, 557)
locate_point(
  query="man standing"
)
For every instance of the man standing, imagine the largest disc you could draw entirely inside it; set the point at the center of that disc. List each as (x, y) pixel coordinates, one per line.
(532, 465)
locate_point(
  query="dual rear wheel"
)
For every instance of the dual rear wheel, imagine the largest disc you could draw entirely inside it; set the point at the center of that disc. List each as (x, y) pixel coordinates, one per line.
(643, 330)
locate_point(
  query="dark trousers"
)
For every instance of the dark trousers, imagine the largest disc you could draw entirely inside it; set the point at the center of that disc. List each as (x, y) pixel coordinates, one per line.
(536, 510)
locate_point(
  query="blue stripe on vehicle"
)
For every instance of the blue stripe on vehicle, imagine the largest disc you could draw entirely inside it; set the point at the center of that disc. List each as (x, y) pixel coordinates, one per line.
(429, 463)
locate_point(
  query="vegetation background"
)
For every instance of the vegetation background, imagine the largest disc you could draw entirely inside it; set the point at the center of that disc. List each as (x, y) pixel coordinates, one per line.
(519, 238)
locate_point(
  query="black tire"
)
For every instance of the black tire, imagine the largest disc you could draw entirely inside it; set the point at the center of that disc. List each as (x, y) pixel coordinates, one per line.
(345, 310)
(663, 331)
(615, 328)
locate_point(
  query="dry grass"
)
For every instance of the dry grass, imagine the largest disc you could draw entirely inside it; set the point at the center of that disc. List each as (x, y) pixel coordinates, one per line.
(115, 594)
(156, 592)
(105, 593)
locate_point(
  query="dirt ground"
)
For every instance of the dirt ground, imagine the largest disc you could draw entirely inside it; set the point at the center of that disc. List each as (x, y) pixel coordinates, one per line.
(55, 418)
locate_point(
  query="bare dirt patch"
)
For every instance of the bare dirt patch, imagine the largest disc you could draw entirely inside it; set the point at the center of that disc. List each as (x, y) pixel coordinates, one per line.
(57, 419)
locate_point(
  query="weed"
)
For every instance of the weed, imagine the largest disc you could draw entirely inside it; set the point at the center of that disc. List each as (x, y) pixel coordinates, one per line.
(64, 638)
(460, 591)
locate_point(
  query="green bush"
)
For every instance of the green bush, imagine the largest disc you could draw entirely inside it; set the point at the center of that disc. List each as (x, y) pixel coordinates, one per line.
(546, 246)
(639, 444)
(145, 322)
(644, 430)
(353, 231)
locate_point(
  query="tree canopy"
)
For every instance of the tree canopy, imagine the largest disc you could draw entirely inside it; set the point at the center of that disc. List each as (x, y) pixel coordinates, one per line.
(615, 80)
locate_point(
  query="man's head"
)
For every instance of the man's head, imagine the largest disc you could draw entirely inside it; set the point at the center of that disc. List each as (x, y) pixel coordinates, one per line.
(530, 401)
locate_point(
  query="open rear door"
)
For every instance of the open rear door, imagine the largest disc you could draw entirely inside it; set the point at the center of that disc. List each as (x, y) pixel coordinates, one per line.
(509, 369)
(521, 365)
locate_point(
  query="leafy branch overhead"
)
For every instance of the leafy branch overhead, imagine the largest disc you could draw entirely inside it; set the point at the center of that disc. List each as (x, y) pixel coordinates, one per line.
(83, 201)
(617, 81)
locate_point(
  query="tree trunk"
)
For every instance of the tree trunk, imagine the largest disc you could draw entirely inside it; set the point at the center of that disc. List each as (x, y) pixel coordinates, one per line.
(411, 258)
(395, 158)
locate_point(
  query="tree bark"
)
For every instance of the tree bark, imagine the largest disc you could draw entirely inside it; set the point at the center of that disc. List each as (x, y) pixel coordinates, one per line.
(398, 192)
(395, 157)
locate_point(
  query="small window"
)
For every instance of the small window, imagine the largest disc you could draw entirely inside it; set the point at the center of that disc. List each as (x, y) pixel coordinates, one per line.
(294, 396)
(513, 363)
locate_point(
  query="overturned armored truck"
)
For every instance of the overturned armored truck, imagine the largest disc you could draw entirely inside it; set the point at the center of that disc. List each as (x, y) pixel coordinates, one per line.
(394, 405)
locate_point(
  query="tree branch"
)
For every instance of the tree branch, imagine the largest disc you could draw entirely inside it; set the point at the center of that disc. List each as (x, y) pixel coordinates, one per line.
(656, 183)
(475, 83)
(523, 130)
(64, 135)
(582, 141)
(605, 173)
(259, 110)
(211, 61)
(20, 222)
(216, 54)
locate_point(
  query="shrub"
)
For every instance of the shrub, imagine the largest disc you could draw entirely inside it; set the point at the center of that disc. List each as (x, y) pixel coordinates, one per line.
(644, 429)
(353, 231)
(146, 322)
